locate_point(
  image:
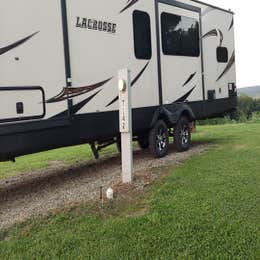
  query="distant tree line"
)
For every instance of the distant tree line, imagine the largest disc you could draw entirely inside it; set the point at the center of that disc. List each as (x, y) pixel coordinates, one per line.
(247, 107)
(248, 110)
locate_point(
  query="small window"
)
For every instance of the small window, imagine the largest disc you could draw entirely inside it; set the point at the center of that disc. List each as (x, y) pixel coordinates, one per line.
(222, 54)
(142, 35)
(180, 35)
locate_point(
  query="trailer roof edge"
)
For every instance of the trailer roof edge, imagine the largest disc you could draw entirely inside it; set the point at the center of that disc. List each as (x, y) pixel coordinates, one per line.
(213, 6)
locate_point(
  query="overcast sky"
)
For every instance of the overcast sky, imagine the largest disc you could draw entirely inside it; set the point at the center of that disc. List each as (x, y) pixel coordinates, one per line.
(247, 29)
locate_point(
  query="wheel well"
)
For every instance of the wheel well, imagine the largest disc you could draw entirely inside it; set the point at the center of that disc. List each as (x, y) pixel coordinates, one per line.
(187, 114)
(171, 118)
(165, 119)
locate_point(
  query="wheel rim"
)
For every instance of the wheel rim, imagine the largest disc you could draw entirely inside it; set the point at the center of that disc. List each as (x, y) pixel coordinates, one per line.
(161, 139)
(185, 135)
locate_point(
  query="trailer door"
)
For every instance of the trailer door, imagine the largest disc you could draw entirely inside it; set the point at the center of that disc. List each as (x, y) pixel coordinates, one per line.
(180, 53)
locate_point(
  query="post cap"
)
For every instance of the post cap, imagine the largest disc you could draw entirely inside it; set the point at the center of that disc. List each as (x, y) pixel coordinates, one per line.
(122, 85)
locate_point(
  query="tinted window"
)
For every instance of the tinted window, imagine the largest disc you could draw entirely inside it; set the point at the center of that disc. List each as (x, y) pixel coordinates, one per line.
(180, 35)
(222, 54)
(142, 35)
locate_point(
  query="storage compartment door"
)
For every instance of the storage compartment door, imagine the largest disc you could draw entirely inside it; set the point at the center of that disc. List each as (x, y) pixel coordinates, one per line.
(21, 103)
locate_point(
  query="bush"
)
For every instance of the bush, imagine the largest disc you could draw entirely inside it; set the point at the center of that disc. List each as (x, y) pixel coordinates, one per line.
(256, 117)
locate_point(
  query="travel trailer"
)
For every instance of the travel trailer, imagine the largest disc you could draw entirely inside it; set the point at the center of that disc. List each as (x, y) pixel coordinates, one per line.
(59, 61)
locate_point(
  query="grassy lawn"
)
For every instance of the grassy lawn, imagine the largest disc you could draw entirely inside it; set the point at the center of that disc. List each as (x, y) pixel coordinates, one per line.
(208, 208)
(42, 160)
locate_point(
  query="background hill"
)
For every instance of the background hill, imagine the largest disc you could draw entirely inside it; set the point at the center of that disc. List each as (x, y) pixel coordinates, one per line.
(253, 92)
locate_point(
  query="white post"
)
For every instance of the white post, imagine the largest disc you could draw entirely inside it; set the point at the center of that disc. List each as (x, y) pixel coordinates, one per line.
(125, 119)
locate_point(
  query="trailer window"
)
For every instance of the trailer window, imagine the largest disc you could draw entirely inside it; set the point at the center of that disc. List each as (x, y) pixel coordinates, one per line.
(222, 54)
(180, 35)
(142, 35)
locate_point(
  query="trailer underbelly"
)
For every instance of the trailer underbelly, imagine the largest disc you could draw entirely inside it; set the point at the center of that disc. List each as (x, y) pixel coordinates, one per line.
(89, 128)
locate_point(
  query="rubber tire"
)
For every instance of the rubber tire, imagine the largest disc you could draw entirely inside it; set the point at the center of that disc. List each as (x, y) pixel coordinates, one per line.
(155, 151)
(183, 121)
(143, 141)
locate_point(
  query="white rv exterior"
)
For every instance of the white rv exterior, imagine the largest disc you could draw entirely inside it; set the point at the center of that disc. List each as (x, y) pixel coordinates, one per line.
(59, 61)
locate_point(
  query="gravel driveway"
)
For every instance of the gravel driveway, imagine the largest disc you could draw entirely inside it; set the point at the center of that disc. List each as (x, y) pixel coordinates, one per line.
(41, 192)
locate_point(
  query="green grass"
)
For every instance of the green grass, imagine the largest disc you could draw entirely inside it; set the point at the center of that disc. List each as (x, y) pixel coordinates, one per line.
(208, 208)
(42, 160)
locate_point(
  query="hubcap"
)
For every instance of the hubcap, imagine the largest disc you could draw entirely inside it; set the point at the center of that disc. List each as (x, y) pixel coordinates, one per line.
(161, 139)
(185, 135)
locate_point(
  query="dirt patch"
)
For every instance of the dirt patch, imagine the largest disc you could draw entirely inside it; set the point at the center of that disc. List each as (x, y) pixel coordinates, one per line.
(42, 192)
(240, 147)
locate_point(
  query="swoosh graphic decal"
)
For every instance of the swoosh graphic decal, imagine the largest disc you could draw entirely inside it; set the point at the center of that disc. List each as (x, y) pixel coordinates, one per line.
(229, 65)
(76, 107)
(232, 24)
(129, 4)
(184, 97)
(132, 83)
(215, 33)
(112, 102)
(189, 79)
(221, 37)
(139, 75)
(16, 44)
(211, 33)
(75, 92)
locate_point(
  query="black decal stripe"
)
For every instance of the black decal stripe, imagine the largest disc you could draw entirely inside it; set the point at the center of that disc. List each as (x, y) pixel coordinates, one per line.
(232, 24)
(16, 44)
(112, 102)
(184, 97)
(229, 65)
(189, 79)
(221, 37)
(132, 83)
(210, 34)
(75, 92)
(76, 107)
(139, 75)
(129, 4)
